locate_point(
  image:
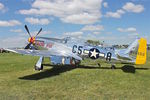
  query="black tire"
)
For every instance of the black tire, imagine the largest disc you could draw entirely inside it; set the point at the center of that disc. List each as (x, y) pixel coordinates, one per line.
(41, 67)
(113, 67)
(77, 63)
(35, 67)
(99, 64)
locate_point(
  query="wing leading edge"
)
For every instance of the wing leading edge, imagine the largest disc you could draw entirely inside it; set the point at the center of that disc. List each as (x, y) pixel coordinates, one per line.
(45, 53)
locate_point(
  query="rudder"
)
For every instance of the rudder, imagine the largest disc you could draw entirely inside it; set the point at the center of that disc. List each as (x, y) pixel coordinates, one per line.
(142, 52)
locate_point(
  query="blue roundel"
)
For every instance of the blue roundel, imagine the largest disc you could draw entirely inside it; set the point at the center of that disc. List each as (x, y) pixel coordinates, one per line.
(94, 53)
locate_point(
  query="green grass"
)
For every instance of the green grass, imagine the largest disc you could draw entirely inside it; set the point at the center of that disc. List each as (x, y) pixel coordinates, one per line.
(18, 80)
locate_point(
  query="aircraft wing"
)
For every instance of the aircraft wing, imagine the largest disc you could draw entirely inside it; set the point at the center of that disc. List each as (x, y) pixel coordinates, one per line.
(52, 39)
(45, 53)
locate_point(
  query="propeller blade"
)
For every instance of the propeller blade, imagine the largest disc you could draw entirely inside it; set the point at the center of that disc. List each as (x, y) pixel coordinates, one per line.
(27, 30)
(28, 46)
(38, 32)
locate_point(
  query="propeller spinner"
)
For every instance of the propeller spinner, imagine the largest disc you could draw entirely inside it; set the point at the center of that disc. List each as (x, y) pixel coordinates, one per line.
(31, 39)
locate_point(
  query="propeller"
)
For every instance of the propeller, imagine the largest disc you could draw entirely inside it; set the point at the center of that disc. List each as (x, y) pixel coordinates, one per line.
(26, 27)
(28, 46)
(38, 32)
(31, 39)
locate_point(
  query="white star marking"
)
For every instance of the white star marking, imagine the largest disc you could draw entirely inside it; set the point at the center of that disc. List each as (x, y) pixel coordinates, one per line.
(94, 53)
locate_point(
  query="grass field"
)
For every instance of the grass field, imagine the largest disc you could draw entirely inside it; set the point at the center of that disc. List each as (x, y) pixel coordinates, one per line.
(19, 80)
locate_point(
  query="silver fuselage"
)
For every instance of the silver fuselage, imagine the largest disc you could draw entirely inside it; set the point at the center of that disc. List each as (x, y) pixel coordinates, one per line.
(80, 48)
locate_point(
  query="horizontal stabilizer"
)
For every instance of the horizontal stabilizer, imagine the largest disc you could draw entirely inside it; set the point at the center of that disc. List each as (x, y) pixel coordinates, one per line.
(135, 53)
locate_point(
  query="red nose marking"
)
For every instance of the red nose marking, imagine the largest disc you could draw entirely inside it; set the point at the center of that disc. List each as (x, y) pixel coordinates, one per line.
(31, 39)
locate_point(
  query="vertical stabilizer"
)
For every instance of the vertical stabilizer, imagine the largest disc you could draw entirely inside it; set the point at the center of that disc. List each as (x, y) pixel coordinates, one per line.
(142, 52)
(132, 47)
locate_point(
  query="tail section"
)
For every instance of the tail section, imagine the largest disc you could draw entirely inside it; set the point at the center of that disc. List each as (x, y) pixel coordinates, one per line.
(138, 51)
(142, 52)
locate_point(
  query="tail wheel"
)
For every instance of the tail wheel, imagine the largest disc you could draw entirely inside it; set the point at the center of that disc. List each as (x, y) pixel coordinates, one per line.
(113, 67)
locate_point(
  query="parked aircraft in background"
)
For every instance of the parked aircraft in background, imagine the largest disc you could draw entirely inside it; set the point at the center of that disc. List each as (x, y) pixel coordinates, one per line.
(73, 51)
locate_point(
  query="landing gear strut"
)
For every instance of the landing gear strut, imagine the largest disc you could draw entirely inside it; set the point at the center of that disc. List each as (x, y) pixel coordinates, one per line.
(39, 65)
(74, 62)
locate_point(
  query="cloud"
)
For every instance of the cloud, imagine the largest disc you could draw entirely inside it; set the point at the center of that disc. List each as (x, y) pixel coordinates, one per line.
(133, 35)
(68, 11)
(44, 33)
(93, 28)
(130, 7)
(32, 20)
(116, 14)
(105, 4)
(73, 34)
(1, 6)
(3, 9)
(129, 30)
(96, 33)
(16, 41)
(84, 18)
(9, 23)
(16, 30)
(33, 33)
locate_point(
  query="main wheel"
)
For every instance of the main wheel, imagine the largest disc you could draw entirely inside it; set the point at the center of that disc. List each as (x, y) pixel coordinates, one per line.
(77, 63)
(41, 67)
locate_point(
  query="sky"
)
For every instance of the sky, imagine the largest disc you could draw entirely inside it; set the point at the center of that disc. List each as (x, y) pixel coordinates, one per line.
(112, 21)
